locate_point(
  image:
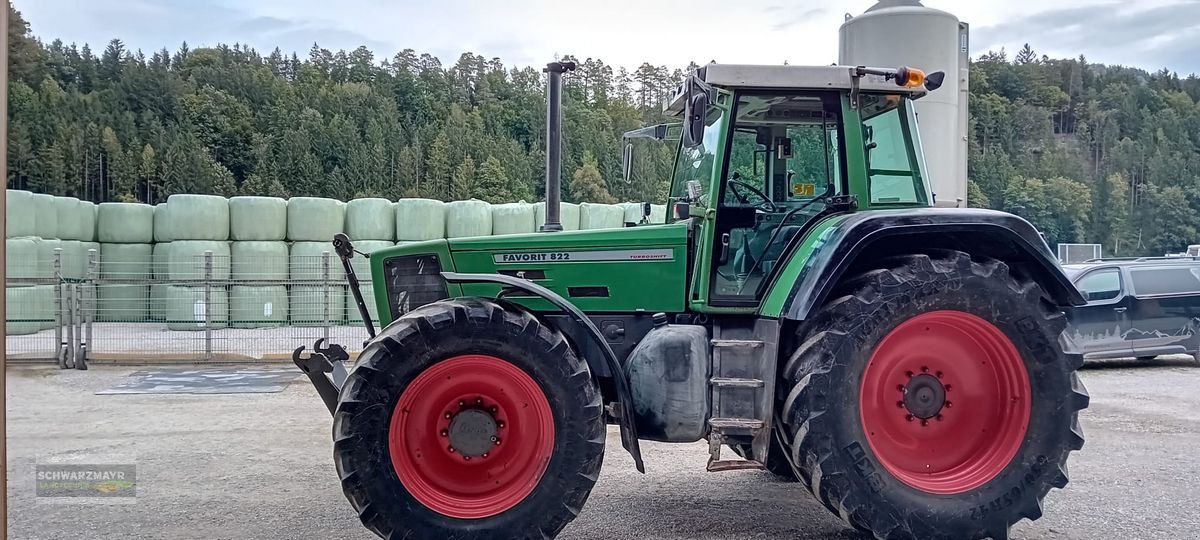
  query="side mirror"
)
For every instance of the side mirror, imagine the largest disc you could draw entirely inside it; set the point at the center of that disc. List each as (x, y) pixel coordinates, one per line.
(934, 80)
(627, 162)
(693, 119)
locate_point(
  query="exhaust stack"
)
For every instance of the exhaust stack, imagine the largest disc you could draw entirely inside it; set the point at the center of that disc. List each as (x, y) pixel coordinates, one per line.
(554, 143)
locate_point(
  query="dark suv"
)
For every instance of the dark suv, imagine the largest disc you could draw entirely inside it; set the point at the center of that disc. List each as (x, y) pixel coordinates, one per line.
(1141, 308)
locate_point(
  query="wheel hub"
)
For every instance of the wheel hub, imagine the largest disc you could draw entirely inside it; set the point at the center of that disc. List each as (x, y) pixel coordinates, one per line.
(924, 396)
(472, 432)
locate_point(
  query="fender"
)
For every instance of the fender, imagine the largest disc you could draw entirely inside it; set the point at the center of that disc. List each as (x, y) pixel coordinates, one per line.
(624, 395)
(983, 232)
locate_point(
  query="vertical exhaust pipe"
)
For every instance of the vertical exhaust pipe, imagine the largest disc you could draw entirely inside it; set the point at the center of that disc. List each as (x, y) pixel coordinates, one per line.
(554, 143)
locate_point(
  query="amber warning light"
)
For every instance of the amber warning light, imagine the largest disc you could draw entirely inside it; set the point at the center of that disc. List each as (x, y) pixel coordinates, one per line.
(910, 77)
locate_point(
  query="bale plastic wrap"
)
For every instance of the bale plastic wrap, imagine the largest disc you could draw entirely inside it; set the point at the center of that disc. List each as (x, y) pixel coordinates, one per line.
(370, 219)
(362, 269)
(69, 220)
(601, 216)
(21, 259)
(197, 217)
(122, 303)
(74, 259)
(185, 259)
(312, 219)
(362, 265)
(308, 304)
(45, 219)
(261, 259)
(87, 221)
(28, 309)
(568, 214)
(468, 218)
(258, 218)
(306, 261)
(258, 306)
(45, 256)
(188, 310)
(126, 261)
(91, 246)
(20, 216)
(162, 219)
(158, 302)
(658, 214)
(633, 212)
(125, 223)
(420, 219)
(513, 218)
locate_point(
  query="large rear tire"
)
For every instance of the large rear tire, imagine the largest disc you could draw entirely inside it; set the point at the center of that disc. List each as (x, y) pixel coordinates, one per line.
(933, 399)
(467, 420)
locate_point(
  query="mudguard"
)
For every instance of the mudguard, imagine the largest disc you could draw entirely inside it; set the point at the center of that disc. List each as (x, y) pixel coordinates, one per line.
(879, 233)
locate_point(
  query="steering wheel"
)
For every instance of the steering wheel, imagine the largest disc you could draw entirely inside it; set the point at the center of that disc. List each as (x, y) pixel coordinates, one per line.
(766, 203)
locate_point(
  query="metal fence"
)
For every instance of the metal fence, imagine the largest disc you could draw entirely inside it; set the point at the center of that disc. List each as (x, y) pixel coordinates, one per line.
(192, 310)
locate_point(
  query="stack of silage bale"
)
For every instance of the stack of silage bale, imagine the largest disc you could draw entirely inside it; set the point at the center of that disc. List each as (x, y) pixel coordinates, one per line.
(514, 218)
(258, 226)
(601, 216)
(30, 307)
(371, 225)
(568, 215)
(158, 263)
(125, 232)
(468, 218)
(197, 225)
(311, 225)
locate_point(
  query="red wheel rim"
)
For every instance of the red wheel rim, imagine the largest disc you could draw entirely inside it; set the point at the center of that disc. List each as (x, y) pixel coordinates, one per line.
(975, 431)
(473, 483)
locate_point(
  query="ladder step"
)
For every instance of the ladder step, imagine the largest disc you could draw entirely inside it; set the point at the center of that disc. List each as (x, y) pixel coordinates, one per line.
(736, 382)
(735, 465)
(735, 423)
(737, 343)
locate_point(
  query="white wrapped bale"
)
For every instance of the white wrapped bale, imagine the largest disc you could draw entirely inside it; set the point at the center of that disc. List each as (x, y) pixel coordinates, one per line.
(658, 214)
(468, 218)
(513, 218)
(21, 259)
(45, 257)
(601, 216)
(91, 246)
(317, 305)
(260, 260)
(362, 269)
(74, 259)
(362, 265)
(28, 309)
(122, 303)
(158, 302)
(420, 219)
(197, 217)
(87, 221)
(126, 261)
(568, 215)
(187, 308)
(125, 223)
(306, 261)
(162, 219)
(69, 221)
(258, 306)
(258, 218)
(633, 212)
(312, 219)
(20, 216)
(45, 222)
(370, 219)
(186, 259)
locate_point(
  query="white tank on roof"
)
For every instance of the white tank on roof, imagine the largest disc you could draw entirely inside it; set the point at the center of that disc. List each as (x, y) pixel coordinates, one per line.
(895, 33)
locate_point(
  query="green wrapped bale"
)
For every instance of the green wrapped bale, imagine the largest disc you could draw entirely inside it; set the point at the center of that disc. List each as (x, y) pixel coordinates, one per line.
(28, 309)
(45, 222)
(306, 261)
(312, 219)
(513, 218)
(87, 257)
(601, 216)
(87, 221)
(187, 308)
(260, 260)
(122, 303)
(197, 217)
(126, 261)
(658, 214)
(162, 219)
(46, 257)
(21, 259)
(468, 218)
(125, 223)
(420, 219)
(20, 216)
(316, 305)
(258, 306)
(74, 259)
(258, 218)
(158, 291)
(186, 259)
(69, 219)
(568, 215)
(370, 219)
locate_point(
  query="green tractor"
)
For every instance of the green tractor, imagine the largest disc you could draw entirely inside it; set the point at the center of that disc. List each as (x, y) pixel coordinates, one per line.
(804, 310)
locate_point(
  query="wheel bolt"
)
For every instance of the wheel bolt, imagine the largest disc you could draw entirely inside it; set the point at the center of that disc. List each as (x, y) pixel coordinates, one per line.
(924, 369)
(909, 417)
(479, 401)
(451, 449)
(949, 404)
(462, 403)
(924, 423)
(900, 387)
(900, 404)
(493, 409)
(445, 433)
(909, 373)
(496, 440)
(485, 454)
(939, 418)
(466, 458)
(948, 388)
(938, 374)
(499, 424)
(448, 415)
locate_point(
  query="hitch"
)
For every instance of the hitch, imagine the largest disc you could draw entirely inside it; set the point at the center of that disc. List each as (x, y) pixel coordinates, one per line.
(325, 367)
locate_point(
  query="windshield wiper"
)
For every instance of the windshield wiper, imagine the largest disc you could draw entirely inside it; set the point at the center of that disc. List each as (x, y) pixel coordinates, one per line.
(775, 232)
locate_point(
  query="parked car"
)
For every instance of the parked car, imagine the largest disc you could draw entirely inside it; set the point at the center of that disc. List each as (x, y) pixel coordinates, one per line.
(1141, 308)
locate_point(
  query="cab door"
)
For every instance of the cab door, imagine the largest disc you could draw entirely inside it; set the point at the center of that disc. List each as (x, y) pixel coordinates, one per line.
(1101, 327)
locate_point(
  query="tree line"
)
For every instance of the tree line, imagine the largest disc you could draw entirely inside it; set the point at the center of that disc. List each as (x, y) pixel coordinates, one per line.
(1087, 152)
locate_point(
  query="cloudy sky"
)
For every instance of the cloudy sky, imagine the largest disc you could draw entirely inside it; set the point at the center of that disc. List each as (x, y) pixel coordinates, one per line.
(1146, 33)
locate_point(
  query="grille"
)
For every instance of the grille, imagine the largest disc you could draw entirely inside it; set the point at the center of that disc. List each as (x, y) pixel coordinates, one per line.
(413, 281)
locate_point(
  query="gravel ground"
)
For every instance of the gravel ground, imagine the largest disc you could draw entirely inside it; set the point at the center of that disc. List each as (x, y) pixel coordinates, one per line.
(259, 466)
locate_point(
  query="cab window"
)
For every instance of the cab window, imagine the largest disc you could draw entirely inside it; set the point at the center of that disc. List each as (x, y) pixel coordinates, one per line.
(696, 163)
(1102, 285)
(893, 174)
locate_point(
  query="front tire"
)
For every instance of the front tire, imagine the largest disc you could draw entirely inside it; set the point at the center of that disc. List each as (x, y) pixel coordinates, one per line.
(468, 420)
(933, 399)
